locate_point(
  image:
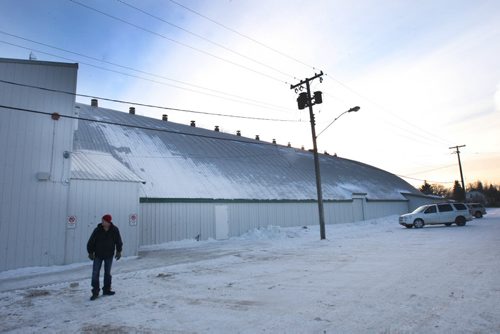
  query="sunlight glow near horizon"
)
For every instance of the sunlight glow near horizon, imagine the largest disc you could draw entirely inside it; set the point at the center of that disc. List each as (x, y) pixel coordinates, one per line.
(426, 75)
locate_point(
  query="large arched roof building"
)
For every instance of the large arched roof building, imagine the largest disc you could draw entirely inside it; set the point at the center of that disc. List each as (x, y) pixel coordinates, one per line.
(182, 161)
(65, 164)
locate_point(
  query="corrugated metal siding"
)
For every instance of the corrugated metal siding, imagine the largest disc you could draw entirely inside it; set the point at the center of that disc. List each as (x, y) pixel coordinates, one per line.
(376, 209)
(335, 212)
(419, 200)
(165, 222)
(247, 216)
(88, 201)
(33, 213)
(174, 221)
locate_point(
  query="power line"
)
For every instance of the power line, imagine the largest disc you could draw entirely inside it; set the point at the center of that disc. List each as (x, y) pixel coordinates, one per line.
(178, 42)
(201, 50)
(147, 105)
(303, 63)
(412, 178)
(246, 141)
(411, 127)
(417, 135)
(154, 81)
(285, 55)
(132, 75)
(243, 35)
(162, 83)
(206, 39)
(434, 169)
(141, 71)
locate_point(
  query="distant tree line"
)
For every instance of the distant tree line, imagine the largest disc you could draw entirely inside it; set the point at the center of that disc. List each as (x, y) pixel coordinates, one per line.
(488, 195)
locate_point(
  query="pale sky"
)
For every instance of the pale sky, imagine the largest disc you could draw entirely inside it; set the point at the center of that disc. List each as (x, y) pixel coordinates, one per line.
(426, 74)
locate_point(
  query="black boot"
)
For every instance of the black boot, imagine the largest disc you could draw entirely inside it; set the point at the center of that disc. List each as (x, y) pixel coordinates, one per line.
(107, 292)
(95, 294)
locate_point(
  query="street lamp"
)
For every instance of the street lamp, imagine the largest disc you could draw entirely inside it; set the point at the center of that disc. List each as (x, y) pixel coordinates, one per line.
(353, 109)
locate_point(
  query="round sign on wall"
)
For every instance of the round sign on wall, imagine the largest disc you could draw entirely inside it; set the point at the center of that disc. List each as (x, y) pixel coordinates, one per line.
(132, 219)
(71, 222)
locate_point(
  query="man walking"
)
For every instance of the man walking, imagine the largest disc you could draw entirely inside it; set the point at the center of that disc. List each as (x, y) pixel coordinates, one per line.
(101, 248)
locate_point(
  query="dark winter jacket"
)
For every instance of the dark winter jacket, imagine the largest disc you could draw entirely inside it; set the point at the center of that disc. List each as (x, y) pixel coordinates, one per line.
(103, 243)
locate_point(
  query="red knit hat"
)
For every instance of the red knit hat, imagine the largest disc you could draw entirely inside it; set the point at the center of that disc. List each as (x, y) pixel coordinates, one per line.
(107, 218)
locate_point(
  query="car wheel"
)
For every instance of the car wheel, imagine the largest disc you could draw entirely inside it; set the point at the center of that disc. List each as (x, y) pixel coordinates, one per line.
(418, 223)
(478, 214)
(448, 224)
(460, 221)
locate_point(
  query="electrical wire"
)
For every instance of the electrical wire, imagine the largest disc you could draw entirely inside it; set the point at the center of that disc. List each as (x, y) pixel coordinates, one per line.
(180, 43)
(143, 72)
(147, 105)
(417, 135)
(207, 40)
(133, 76)
(434, 169)
(412, 178)
(149, 31)
(246, 141)
(244, 36)
(412, 126)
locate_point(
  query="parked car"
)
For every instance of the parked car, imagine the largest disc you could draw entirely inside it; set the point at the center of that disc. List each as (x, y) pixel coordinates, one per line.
(432, 214)
(477, 210)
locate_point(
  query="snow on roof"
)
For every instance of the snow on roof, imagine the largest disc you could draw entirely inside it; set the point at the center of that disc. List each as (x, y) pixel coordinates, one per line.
(180, 161)
(90, 165)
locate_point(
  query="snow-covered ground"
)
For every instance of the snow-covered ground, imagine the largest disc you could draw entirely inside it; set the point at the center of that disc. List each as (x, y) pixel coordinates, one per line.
(368, 277)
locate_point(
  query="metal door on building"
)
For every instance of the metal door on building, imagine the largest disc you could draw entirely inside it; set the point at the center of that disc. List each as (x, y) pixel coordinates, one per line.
(358, 209)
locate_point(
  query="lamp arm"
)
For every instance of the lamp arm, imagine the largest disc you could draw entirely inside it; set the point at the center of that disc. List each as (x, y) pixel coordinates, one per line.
(331, 123)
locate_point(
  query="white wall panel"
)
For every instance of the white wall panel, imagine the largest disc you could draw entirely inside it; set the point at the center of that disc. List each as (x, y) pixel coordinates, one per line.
(165, 222)
(376, 209)
(172, 221)
(32, 212)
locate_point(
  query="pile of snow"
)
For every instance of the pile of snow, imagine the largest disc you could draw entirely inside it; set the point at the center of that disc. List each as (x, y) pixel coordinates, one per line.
(367, 277)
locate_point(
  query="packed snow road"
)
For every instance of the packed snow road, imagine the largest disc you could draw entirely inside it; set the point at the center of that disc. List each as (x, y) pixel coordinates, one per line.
(368, 277)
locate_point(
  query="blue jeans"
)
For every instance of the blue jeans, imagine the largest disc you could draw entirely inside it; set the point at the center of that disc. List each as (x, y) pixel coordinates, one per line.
(96, 270)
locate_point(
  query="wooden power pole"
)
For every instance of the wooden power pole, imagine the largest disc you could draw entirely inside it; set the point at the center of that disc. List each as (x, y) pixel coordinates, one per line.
(460, 166)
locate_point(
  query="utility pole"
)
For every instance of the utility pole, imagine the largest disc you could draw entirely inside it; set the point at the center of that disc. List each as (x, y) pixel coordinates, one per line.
(460, 166)
(305, 100)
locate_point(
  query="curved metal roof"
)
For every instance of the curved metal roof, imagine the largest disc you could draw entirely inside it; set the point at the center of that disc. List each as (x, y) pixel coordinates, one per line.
(180, 161)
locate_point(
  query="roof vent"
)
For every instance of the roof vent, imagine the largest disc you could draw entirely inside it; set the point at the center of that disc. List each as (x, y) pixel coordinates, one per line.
(257, 137)
(289, 145)
(164, 117)
(193, 124)
(302, 148)
(131, 110)
(238, 133)
(94, 103)
(216, 128)
(274, 141)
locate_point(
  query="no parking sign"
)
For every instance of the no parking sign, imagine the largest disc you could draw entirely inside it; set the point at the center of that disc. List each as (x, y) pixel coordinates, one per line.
(132, 219)
(71, 222)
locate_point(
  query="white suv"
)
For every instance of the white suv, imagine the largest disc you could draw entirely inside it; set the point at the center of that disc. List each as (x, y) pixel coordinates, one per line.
(431, 214)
